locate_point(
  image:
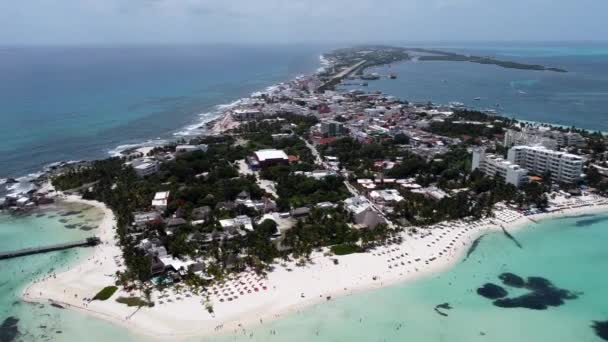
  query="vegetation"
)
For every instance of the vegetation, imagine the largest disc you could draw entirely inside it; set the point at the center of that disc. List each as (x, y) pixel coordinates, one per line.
(449, 56)
(471, 125)
(344, 249)
(328, 227)
(105, 293)
(134, 301)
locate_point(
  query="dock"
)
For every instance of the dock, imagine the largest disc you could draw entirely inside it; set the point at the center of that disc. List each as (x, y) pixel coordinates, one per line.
(337, 78)
(89, 242)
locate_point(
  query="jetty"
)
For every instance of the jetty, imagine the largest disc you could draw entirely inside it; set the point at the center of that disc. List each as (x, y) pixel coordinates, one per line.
(89, 242)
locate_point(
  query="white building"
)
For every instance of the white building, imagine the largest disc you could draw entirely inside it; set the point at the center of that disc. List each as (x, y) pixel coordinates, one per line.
(431, 192)
(236, 223)
(160, 200)
(529, 137)
(363, 214)
(570, 139)
(317, 174)
(546, 137)
(141, 219)
(145, 167)
(269, 157)
(564, 167)
(385, 196)
(332, 128)
(492, 165)
(245, 114)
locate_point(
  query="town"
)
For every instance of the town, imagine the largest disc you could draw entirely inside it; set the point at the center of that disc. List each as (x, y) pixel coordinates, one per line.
(307, 165)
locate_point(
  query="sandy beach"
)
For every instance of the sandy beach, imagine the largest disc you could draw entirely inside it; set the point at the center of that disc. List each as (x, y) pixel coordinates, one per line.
(223, 123)
(180, 314)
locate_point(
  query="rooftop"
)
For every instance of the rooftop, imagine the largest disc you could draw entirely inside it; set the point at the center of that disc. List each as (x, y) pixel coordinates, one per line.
(270, 154)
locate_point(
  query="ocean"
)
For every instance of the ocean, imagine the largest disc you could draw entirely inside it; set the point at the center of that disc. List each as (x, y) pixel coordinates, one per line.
(67, 103)
(568, 252)
(56, 223)
(72, 103)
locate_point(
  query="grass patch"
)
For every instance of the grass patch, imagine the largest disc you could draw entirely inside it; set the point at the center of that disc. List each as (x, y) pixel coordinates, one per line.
(133, 301)
(105, 293)
(346, 248)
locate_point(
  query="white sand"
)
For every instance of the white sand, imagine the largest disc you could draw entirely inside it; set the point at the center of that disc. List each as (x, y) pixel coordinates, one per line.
(177, 316)
(224, 123)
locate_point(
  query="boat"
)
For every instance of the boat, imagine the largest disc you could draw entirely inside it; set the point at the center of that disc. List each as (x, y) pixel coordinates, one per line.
(455, 104)
(477, 99)
(392, 76)
(373, 76)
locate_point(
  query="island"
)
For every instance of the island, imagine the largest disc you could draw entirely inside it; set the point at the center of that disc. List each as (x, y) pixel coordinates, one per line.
(302, 193)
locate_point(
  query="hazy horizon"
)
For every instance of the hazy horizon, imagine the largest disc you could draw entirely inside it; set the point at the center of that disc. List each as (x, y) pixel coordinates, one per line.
(162, 22)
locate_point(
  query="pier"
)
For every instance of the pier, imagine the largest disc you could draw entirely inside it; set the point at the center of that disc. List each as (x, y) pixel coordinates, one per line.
(89, 242)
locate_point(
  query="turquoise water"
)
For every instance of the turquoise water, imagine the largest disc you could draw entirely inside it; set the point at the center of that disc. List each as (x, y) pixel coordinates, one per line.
(569, 252)
(40, 322)
(73, 103)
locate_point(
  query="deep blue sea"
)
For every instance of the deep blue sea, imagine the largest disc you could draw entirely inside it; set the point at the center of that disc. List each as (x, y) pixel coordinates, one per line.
(69, 103)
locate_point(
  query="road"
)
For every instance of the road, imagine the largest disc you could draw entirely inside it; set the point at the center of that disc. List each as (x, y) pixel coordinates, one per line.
(349, 187)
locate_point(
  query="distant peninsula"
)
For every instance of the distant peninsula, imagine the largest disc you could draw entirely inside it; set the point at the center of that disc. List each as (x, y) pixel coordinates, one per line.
(436, 55)
(376, 55)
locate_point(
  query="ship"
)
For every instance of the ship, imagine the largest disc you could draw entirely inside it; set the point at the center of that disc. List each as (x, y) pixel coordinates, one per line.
(373, 76)
(455, 104)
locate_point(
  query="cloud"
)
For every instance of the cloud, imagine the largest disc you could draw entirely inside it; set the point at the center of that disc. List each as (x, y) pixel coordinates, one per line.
(199, 21)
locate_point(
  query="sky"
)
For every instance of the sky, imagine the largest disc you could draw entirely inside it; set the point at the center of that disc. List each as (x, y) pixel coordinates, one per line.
(32, 22)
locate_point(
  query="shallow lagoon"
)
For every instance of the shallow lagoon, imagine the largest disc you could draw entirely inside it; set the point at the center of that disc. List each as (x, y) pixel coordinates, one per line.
(43, 322)
(567, 252)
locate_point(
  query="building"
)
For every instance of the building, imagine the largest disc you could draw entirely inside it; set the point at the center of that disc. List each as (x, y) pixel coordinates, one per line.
(300, 212)
(142, 219)
(363, 214)
(387, 196)
(332, 128)
(264, 205)
(145, 167)
(563, 167)
(181, 149)
(246, 114)
(432, 192)
(570, 139)
(269, 157)
(200, 215)
(548, 138)
(318, 174)
(529, 137)
(160, 200)
(492, 165)
(237, 223)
